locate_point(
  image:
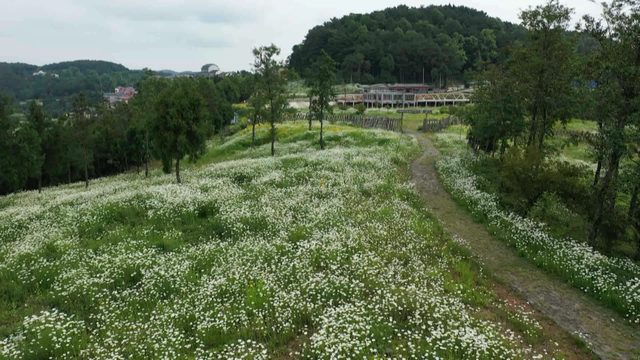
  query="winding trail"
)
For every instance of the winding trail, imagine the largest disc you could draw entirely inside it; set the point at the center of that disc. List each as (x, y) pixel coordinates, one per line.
(610, 336)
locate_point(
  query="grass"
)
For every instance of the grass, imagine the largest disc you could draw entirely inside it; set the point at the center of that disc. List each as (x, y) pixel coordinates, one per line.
(609, 279)
(330, 253)
(579, 125)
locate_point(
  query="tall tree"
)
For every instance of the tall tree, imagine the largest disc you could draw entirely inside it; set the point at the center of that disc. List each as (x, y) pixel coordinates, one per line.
(83, 133)
(545, 66)
(181, 126)
(498, 114)
(39, 123)
(144, 113)
(615, 67)
(272, 82)
(257, 102)
(321, 81)
(20, 156)
(5, 105)
(219, 109)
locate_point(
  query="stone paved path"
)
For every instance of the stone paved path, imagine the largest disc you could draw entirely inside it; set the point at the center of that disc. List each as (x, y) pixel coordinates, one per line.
(609, 335)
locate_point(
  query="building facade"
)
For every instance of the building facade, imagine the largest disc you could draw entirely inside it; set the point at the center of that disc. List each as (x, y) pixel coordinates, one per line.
(409, 95)
(121, 94)
(209, 70)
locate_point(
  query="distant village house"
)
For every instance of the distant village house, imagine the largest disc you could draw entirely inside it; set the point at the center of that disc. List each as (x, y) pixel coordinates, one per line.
(121, 94)
(42, 73)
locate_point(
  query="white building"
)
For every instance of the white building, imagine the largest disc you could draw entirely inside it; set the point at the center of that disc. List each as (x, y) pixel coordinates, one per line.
(39, 73)
(209, 70)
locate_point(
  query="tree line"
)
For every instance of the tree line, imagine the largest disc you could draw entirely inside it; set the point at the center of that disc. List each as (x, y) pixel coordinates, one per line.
(543, 82)
(169, 120)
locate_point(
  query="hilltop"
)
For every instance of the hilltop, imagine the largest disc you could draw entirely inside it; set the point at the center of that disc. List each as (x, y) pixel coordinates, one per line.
(397, 44)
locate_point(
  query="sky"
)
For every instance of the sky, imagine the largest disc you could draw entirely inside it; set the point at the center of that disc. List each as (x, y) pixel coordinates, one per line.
(184, 35)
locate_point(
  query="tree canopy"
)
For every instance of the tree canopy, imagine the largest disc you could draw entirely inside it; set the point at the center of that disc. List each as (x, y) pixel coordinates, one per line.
(399, 43)
(322, 77)
(181, 126)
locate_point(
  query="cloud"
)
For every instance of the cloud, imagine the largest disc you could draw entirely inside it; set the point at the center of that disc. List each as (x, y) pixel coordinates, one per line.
(184, 34)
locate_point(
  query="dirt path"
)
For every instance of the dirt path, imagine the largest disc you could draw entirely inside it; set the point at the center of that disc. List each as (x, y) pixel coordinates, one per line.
(609, 335)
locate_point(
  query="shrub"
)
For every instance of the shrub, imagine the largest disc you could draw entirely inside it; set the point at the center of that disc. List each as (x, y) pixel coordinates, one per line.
(360, 109)
(561, 221)
(236, 128)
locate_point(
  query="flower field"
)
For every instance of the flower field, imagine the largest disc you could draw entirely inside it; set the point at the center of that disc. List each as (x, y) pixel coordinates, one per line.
(312, 255)
(613, 281)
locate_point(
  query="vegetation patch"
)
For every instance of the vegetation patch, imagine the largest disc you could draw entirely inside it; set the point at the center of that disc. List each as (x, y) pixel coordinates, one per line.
(312, 254)
(614, 281)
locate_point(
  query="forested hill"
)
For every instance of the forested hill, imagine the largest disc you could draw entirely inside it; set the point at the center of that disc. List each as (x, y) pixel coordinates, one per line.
(101, 67)
(397, 43)
(92, 77)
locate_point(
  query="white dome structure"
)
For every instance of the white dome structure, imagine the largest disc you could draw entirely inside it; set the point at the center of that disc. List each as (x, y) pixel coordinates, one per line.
(210, 70)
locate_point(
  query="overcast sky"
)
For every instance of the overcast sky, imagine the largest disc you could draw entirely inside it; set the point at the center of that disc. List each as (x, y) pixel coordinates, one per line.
(184, 35)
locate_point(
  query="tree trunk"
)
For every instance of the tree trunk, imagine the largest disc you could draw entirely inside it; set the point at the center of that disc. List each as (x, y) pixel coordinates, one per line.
(532, 129)
(598, 170)
(543, 130)
(633, 207)
(40, 182)
(178, 171)
(86, 175)
(146, 154)
(503, 148)
(321, 129)
(321, 135)
(69, 172)
(273, 137)
(602, 195)
(126, 164)
(637, 226)
(311, 117)
(253, 130)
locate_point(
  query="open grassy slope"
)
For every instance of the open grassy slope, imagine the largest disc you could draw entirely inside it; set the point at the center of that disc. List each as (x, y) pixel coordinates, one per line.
(310, 254)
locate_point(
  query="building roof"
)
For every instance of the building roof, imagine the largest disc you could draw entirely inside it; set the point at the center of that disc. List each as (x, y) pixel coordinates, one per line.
(210, 68)
(397, 86)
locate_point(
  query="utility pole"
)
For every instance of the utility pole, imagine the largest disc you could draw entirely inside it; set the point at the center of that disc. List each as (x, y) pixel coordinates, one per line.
(423, 75)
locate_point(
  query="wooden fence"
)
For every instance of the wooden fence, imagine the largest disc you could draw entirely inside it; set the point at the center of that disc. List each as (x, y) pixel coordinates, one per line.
(371, 122)
(421, 111)
(439, 125)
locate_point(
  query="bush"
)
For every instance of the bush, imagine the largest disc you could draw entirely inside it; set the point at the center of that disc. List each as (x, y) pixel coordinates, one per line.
(236, 128)
(360, 109)
(242, 110)
(560, 220)
(524, 176)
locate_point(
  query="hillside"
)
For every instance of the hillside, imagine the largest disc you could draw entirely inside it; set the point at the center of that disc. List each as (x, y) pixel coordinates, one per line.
(307, 255)
(396, 44)
(93, 77)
